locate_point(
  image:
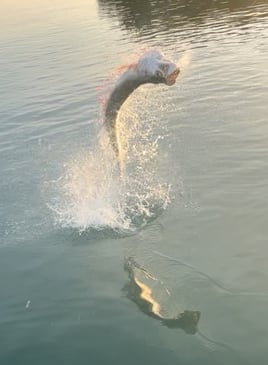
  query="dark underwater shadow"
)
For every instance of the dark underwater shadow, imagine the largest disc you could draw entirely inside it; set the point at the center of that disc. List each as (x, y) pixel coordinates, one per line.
(139, 292)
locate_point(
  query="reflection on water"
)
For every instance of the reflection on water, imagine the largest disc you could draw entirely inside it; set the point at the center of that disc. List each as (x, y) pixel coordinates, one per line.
(140, 290)
(151, 15)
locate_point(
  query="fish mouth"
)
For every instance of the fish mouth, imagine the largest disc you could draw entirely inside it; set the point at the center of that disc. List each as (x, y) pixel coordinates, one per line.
(172, 77)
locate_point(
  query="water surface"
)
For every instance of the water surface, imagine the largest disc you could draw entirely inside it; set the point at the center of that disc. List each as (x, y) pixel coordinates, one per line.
(194, 207)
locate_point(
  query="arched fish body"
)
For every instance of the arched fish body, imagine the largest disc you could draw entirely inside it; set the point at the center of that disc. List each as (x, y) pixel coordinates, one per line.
(153, 68)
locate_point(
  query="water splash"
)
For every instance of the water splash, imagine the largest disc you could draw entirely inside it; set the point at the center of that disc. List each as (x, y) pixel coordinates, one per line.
(185, 61)
(87, 194)
(90, 194)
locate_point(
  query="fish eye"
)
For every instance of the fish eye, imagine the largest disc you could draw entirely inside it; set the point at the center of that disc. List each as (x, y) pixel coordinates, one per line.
(164, 67)
(158, 74)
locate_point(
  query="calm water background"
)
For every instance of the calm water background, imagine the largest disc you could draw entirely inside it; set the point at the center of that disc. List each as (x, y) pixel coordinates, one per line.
(61, 275)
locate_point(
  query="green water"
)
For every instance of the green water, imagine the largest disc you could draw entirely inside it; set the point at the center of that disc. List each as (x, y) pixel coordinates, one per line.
(194, 207)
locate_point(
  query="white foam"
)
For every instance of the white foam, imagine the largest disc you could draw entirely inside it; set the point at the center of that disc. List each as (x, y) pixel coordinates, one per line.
(88, 194)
